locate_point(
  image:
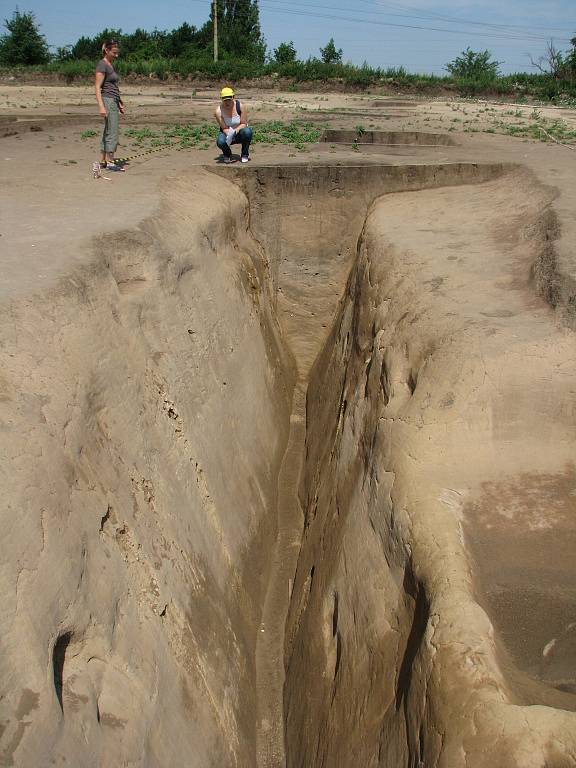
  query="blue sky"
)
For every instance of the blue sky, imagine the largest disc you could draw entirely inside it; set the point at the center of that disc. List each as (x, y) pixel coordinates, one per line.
(383, 33)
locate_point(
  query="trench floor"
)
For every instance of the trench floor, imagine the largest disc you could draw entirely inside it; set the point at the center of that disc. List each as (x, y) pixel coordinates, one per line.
(270, 749)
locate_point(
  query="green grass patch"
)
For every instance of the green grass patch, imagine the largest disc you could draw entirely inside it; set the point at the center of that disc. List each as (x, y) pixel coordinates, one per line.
(295, 132)
(140, 135)
(202, 136)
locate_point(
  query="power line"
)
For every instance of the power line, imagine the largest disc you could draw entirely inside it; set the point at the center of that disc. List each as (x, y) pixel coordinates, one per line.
(419, 13)
(505, 28)
(291, 10)
(355, 20)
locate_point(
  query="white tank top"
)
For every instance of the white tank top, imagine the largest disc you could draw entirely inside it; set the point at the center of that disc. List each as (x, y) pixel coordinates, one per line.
(230, 122)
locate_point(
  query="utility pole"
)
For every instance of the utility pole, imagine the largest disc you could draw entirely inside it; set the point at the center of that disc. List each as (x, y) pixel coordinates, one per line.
(215, 24)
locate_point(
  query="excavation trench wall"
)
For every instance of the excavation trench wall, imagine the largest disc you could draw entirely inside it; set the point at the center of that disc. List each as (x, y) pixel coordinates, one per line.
(434, 594)
(309, 221)
(389, 138)
(415, 635)
(145, 404)
(153, 405)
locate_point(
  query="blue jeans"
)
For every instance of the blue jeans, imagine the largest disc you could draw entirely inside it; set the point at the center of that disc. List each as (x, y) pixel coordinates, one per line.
(243, 136)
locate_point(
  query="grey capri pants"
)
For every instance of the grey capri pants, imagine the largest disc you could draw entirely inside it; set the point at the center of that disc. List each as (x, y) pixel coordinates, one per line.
(111, 125)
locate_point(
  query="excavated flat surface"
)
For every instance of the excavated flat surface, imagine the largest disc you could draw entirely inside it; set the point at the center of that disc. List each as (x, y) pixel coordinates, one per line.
(521, 520)
(48, 174)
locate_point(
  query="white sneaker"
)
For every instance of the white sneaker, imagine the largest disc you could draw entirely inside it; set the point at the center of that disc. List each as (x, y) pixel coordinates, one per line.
(244, 159)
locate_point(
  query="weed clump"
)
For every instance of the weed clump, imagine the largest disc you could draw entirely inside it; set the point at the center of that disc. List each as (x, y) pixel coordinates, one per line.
(187, 136)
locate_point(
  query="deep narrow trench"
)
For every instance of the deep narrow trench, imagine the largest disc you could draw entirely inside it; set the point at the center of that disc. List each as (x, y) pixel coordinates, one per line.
(329, 287)
(227, 569)
(271, 635)
(310, 227)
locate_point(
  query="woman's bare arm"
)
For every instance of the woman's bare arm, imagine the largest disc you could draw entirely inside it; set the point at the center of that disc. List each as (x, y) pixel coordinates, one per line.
(98, 85)
(243, 118)
(220, 121)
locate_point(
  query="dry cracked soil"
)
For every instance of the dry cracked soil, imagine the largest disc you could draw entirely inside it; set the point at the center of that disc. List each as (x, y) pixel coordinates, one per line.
(287, 454)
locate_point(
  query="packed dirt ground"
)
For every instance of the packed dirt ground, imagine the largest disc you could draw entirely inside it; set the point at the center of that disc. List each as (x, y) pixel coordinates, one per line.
(47, 165)
(289, 446)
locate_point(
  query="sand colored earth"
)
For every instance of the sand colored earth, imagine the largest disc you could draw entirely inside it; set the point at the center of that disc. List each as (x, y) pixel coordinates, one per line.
(287, 448)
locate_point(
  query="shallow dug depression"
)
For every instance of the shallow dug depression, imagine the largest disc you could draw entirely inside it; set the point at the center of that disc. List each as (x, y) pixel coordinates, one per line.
(293, 465)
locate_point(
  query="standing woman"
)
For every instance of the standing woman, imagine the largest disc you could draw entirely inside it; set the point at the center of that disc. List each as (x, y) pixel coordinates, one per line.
(234, 129)
(110, 104)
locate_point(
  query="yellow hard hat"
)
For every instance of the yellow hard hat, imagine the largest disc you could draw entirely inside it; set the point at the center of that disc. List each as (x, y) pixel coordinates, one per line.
(227, 93)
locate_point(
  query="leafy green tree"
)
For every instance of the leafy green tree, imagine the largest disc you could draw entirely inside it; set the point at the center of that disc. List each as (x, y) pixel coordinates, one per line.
(474, 65)
(571, 58)
(24, 44)
(85, 48)
(64, 53)
(239, 33)
(180, 41)
(91, 47)
(285, 53)
(329, 54)
(140, 44)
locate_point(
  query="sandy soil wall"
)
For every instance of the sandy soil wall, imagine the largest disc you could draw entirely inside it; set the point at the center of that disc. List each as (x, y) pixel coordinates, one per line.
(439, 463)
(308, 220)
(144, 407)
(148, 421)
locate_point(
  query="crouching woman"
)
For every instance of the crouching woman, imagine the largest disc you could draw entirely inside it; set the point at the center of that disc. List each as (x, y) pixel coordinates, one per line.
(233, 122)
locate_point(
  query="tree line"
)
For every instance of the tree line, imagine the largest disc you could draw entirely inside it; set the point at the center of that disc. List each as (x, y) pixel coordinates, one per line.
(239, 37)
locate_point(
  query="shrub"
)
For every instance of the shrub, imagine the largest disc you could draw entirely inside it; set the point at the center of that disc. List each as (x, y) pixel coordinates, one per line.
(24, 44)
(285, 53)
(330, 55)
(474, 65)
